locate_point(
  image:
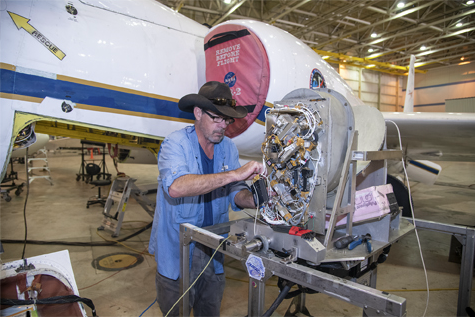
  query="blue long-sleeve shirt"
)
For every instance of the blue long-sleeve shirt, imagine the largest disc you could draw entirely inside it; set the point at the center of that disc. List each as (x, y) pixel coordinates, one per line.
(180, 155)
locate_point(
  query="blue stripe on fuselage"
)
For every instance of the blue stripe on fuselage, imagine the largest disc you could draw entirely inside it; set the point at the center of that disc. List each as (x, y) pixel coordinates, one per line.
(12, 82)
(36, 86)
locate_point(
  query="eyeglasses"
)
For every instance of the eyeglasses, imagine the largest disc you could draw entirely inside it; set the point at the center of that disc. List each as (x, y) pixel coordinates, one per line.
(217, 119)
(224, 102)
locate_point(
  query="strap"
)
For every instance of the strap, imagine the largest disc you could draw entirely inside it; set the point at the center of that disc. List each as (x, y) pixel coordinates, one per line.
(225, 36)
(250, 108)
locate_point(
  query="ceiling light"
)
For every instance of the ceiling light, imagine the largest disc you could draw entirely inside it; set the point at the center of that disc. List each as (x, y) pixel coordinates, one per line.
(464, 63)
(462, 58)
(374, 34)
(459, 24)
(401, 4)
(370, 50)
(326, 57)
(227, 1)
(423, 47)
(370, 66)
(470, 2)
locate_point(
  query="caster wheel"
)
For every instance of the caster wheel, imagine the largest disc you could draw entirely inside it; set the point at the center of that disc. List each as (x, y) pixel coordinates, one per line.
(8, 198)
(18, 191)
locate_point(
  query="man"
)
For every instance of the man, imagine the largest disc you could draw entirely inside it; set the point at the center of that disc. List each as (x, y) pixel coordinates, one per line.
(200, 176)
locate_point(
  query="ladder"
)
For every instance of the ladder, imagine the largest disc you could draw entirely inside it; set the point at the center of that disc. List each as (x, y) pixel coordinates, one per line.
(121, 190)
(45, 167)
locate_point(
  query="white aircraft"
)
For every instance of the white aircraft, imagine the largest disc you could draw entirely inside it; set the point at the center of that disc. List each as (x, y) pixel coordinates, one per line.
(119, 67)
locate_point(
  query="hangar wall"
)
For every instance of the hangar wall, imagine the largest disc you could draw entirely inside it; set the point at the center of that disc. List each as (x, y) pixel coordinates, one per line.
(376, 89)
(387, 92)
(436, 86)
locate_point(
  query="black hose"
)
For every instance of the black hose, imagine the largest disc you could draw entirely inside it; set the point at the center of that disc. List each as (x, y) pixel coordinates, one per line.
(52, 300)
(279, 299)
(26, 200)
(81, 244)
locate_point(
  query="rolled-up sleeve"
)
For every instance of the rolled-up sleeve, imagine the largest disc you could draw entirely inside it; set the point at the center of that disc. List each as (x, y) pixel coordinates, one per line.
(172, 163)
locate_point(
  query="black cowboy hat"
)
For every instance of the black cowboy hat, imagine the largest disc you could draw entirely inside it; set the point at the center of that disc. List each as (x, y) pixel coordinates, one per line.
(216, 97)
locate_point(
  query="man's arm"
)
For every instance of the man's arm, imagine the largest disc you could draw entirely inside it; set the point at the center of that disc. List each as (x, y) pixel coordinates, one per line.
(244, 199)
(193, 184)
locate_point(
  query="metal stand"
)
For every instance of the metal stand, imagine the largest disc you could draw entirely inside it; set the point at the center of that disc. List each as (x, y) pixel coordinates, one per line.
(45, 167)
(5, 188)
(371, 300)
(82, 175)
(466, 236)
(121, 190)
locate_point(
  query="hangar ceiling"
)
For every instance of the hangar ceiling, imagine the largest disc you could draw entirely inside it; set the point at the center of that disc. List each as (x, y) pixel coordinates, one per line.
(366, 33)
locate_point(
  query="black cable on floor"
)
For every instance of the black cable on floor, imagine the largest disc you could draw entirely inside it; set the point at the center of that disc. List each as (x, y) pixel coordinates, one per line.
(51, 300)
(81, 244)
(24, 206)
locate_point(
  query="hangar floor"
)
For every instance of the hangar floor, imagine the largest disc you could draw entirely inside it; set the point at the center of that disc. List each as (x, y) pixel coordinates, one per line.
(59, 212)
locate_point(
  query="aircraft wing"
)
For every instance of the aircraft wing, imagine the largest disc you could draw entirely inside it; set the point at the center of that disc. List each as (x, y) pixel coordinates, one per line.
(433, 136)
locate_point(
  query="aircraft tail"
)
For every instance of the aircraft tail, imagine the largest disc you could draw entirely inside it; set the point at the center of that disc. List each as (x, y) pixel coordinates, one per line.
(409, 101)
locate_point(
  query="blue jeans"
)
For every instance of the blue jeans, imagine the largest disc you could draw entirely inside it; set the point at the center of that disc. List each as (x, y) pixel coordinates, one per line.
(205, 295)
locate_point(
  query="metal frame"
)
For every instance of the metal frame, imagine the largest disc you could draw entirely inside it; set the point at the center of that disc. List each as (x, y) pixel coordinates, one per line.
(373, 302)
(466, 236)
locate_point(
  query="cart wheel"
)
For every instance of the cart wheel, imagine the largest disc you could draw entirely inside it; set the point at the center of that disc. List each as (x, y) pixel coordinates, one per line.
(78, 178)
(87, 206)
(18, 191)
(98, 177)
(8, 198)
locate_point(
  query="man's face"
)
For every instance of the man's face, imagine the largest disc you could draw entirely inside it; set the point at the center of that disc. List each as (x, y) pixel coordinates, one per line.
(211, 130)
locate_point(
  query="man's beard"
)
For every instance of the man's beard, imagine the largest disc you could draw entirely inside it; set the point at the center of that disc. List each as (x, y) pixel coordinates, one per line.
(217, 136)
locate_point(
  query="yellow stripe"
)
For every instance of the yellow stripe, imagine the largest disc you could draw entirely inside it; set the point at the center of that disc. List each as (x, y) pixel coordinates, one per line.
(131, 113)
(7, 66)
(20, 97)
(259, 122)
(269, 104)
(114, 88)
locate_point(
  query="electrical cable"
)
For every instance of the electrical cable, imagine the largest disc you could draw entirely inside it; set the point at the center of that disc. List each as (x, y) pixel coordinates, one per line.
(148, 307)
(413, 218)
(51, 300)
(124, 245)
(210, 259)
(81, 244)
(257, 209)
(24, 206)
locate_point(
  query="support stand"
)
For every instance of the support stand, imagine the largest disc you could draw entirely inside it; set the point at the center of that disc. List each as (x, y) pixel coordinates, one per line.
(82, 175)
(373, 302)
(5, 188)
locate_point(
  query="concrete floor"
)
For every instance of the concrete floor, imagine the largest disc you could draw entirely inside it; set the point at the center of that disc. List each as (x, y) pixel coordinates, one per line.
(59, 212)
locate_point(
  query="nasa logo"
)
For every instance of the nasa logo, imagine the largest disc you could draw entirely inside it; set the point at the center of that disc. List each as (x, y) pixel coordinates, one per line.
(230, 79)
(255, 267)
(317, 80)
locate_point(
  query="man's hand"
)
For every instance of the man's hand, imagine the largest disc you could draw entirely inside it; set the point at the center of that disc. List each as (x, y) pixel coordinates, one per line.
(249, 171)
